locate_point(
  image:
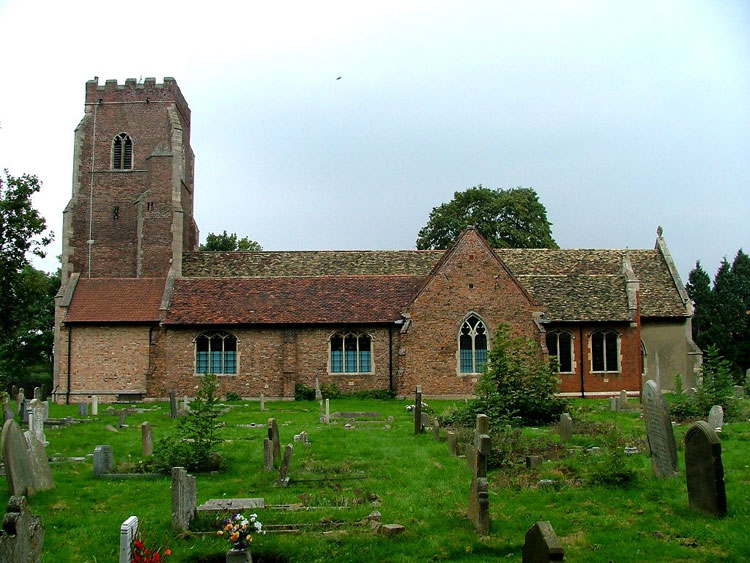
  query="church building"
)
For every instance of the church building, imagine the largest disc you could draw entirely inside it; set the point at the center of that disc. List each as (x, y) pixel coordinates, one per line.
(141, 311)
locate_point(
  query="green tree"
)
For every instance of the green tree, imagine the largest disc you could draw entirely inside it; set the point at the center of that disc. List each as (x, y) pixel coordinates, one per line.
(699, 290)
(513, 218)
(229, 243)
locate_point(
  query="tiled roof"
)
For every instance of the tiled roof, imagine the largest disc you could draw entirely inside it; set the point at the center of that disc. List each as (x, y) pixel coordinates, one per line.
(116, 300)
(322, 299)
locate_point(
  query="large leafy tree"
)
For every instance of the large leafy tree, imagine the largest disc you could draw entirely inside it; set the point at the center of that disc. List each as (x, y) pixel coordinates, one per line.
(229, 243)
(513, 218)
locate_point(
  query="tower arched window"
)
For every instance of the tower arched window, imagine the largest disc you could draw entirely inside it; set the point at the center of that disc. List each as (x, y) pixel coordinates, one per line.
(605, 351)
(472, 345)
(216, 352)
(560, 345)
(350, 353)
(122, 152)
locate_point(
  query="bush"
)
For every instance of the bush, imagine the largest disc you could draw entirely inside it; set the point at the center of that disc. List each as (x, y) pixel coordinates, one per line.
(232, 396)
(329, 391)
(612, 468)
(193, 447)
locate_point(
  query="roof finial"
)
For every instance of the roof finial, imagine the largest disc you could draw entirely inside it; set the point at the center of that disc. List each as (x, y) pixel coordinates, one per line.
(659, 231)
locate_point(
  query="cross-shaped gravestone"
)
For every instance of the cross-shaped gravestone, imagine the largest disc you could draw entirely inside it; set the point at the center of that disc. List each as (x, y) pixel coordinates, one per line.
(659, 430)
(704, 470)
(418, 410)
(128, 534)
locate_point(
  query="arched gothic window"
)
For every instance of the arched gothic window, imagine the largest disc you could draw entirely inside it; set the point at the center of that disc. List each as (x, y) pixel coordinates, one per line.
(472, 345)
(605, 351)
(560, 345)
(122, 152)
(350, 353)
(216, 352)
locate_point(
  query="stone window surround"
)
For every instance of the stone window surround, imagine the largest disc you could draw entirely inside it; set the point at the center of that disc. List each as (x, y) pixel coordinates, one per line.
(604, 352)
(209, 334)
(573, 361)
(122, 168)
(343, 334)
(466, 317)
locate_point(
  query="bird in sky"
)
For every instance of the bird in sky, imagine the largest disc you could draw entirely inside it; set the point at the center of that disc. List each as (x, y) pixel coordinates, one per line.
(339, 78)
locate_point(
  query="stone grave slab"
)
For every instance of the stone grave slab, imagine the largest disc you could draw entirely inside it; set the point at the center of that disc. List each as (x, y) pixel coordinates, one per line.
(452, 449)
(659, 430)
(357, 414)
(234, 505)
(541, 544)
(18, 470)
(95, 405)
(21, 535)
(128, 534)
(479, 500)
(267, 455)
(705, 470)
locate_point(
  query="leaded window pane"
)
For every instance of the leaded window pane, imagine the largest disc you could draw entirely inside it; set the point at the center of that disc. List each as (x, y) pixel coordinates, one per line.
(565, 352)
(365, 364)
(611, 351)
(350, 354)
(597, 351)
(337, 354)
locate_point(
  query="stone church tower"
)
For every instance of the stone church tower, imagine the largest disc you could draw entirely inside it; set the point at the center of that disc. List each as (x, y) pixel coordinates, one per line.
(131, 213)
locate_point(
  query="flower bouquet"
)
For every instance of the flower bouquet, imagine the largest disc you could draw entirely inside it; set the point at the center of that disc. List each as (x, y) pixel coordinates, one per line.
(238, 530)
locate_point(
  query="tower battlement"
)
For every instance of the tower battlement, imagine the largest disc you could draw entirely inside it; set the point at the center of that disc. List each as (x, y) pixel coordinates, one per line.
(134, 91)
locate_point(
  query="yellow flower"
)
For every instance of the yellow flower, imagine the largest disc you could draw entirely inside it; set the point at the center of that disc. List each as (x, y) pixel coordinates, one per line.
(220, 533)
(249, 538)
(234, 537)
(228, 527)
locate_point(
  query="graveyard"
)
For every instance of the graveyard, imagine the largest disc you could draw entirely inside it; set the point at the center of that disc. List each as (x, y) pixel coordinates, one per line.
(368, 480)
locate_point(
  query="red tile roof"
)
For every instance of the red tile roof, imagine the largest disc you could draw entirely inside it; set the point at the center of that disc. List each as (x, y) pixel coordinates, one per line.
(320, 299)
(114, 300)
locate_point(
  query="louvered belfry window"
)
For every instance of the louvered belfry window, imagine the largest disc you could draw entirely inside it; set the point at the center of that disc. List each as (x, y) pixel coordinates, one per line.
(122, 152)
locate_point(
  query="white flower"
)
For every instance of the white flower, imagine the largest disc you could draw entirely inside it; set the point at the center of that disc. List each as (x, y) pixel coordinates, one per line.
(258, 526)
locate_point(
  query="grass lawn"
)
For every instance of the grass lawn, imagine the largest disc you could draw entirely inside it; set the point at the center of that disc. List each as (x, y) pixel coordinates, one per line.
(410, 480)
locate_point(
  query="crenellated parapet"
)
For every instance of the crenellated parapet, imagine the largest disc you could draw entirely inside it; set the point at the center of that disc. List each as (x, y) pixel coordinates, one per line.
(135, 91)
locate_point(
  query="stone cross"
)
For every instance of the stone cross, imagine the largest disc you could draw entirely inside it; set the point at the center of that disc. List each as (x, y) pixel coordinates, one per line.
(273, 435)
(541, 544)
(716, 417)
(83, 409)
(147, 442)
(41, 474)
(267, 454)
(418, 410)
(479, 500)
(128, 533)
(565, 427)
(659, 430)
(95, 405)
(705, 470)
(21, 535)
(18, 470)
(36, 420)
(104, 460)
(172, 404)
(284, 470)
(184, 499)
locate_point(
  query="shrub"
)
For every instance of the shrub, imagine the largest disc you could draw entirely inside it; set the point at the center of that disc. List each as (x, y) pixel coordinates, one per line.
(232, 396)
(197, 436)
(612, 468)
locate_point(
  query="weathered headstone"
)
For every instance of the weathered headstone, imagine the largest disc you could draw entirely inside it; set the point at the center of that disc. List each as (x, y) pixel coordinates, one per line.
(8, 413)
(45, 405)
(267, 454)
(41, 474)
(705, 470)
(659, 430)
(24, 410)
(186, 403)
(128, 534)
(482, 427)
(21, 535)
(184, 499)
(83, 409)
(479, 500)
(262, 402)
(542, 545)
(565, 428)
(623, 402)
(18, 471)
(716, 417)
(172, 404)
(328, 411)
(104, 460)
(318, 394)
(147, 441)
(36, 420)
(739, 391)
(13, 390)
(418, 410)
(95, 405)
(273, 435)
(38, 393)
(19, 400)
(614, 404)
(121, 422)
(285, 464)
(533, 461)
(451, 442)
(321, 413)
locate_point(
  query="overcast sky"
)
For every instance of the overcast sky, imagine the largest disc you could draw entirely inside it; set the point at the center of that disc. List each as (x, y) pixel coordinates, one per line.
(621, 115)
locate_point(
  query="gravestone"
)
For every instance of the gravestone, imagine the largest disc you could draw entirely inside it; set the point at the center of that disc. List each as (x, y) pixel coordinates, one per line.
(13, 390)
(541, 544)
(716, 417)
(95, 405)
(565, 427)
(614, 404)
(121, 422)
(284, 470)
(186, 403)
(659, 431)
(482, 427)
(436, 429)
(318, 394)
(328, 411)
(321, 413)
(262, 402)
(45, 405)
(273, 435)
(8, 413)
(41, 474)
(418, 410)
(18, 471)
(83, 409)
(479, 500)
(184, 499)
(38, 393)
(533, 461)
(19, 400)
(104, 460)
(172, 404)
(128, 534)
(147, 442)
(623, 402)
(705, 470)
(36, 420)
(24, 411)
(21, 535)
(739, 391)
(267, 455)
(451, 442)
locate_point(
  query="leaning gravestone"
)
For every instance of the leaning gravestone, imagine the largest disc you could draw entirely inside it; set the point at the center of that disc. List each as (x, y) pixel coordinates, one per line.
(128, 534)
(41, 474)
(18, 471)
(285, 464)
(565, 427)
(716, 417)
(418, 410)
(104, 460)
(21, 535)
(184, 499)
(273, 435)
(705, 470)
(659, 430)
(479, 500)
(542, 545)
(147, 441)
